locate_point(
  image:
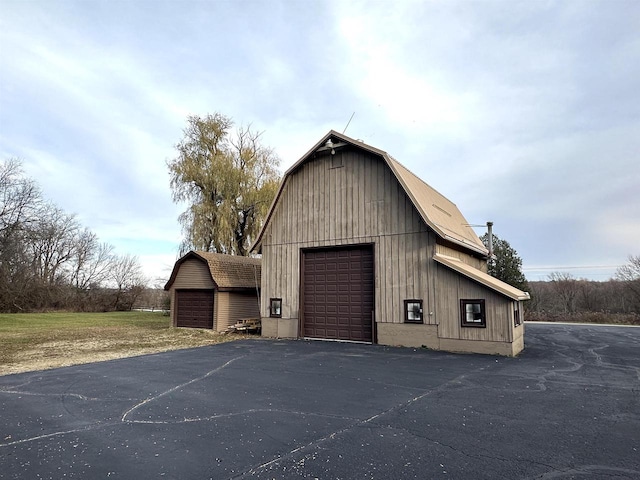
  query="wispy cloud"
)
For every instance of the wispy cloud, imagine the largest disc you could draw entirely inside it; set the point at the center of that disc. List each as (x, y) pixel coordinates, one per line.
(525, 113)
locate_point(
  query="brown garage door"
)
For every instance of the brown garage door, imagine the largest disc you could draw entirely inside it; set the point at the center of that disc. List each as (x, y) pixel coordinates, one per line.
(338, 293)
(194, 308)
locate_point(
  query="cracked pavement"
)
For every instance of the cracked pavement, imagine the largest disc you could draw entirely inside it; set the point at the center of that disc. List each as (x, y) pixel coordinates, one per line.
(568, 407)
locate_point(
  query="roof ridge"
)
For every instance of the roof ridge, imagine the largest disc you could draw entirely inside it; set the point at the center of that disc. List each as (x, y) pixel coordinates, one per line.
(420, 193)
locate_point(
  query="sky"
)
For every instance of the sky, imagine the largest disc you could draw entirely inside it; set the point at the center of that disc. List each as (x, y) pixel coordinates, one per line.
(526, 114)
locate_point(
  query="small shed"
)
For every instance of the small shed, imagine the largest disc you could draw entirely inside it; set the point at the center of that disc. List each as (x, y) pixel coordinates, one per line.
(213, 290)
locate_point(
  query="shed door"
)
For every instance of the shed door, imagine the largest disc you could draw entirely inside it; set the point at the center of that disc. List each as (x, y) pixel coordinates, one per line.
(194, 308)
(338, 289)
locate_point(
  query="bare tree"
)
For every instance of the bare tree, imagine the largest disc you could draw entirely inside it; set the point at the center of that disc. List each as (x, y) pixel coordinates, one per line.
(629, 274)
(566, 287)
(126, 274)
(91, 261)
(20, 201)
(53, 243)
(589, 296)
(20, 198)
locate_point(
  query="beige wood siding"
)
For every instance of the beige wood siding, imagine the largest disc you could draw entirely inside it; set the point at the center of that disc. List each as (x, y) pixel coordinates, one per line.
(220, 307)
(230, 307)
(451, 287)
(193, 274)
(475, 262)
(358, 203)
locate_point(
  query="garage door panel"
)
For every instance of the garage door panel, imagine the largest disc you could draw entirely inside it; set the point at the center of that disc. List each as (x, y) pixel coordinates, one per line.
(343, 278)
(347, 294)
(194, 308)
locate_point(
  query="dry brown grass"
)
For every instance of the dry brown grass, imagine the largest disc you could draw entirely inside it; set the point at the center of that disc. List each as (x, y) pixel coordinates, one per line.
(31, 342)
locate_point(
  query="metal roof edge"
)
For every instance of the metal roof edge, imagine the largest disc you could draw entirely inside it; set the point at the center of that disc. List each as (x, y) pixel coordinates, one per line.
(481, 277)
(425, 217)
(466, 245)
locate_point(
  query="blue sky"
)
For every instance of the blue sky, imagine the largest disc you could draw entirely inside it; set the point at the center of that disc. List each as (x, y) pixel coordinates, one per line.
(523, 113)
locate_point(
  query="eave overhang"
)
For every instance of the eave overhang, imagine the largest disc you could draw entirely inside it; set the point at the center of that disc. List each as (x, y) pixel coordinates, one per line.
(479, 276)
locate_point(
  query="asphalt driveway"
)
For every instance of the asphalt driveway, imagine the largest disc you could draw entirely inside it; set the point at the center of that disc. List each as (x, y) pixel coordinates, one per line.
(568, 407)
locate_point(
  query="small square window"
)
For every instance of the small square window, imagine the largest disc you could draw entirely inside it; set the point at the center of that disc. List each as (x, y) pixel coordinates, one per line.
(473, 313)
(413, 311)
(275, 307)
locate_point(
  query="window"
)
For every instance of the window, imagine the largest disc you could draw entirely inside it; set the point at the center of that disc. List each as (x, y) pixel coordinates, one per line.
(413, 311)
(473, 314)
(275, 307)
(336, 160)
(517, 321)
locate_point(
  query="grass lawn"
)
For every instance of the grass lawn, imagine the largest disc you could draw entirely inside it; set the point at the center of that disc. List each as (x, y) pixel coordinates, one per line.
(38, 341)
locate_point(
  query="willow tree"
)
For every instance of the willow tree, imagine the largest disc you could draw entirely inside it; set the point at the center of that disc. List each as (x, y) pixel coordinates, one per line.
(227, 178)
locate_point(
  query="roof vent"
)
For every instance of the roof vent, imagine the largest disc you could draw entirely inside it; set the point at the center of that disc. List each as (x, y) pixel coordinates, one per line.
(441, 209)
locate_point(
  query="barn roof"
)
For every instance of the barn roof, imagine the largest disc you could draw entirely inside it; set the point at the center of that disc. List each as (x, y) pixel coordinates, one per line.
(436, 210)
(483, 278)
(227, 271)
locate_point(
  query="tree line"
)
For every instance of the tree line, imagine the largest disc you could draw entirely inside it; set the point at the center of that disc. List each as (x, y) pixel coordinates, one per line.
(564, 297)
(48, 260)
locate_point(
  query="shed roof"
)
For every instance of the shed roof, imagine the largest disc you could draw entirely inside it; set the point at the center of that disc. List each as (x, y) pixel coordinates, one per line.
(481, 277)
(227, 271)
(436, 210)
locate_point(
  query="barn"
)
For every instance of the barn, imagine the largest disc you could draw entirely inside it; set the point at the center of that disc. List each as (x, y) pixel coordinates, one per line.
(355, 247)
(213, 290)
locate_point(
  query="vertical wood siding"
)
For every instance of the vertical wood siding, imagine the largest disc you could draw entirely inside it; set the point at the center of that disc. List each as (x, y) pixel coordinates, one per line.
(451, 287)
(358, 203)
(465, 257)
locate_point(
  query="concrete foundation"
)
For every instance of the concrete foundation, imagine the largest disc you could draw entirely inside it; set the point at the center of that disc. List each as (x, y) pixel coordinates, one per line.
(409, 335)
(279, 327)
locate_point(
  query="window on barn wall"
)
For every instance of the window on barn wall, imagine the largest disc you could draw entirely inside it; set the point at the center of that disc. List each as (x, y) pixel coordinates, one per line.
(517, 320)
(336, 160)
(413, 311)
(473, 313)
(275, 307)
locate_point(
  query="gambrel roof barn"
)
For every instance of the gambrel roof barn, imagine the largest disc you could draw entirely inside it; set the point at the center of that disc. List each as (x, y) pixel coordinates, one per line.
(356, 247)
(213, 290)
